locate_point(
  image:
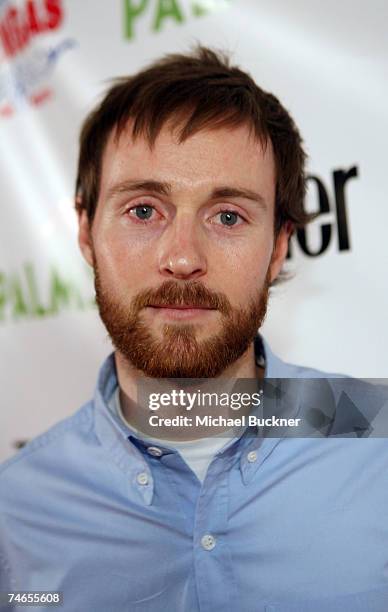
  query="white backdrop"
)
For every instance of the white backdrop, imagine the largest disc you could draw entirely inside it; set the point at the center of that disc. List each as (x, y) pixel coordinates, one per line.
(326, 61)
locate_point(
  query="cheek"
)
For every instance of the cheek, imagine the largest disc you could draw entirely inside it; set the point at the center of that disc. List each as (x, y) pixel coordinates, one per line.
(122, 257)
(243, 265)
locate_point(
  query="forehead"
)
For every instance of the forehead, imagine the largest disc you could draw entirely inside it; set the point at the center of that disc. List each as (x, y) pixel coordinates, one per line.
(209, 157)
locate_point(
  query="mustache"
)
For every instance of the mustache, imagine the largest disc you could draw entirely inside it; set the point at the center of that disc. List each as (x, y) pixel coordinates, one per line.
(173, 293)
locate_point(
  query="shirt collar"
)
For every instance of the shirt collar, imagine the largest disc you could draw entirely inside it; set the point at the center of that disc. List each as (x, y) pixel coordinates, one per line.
(259, 447)
(114, 435)
(117, 438)
(274, 366)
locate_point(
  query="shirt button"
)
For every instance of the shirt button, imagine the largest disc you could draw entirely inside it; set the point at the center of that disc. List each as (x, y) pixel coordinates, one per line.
(142, 478)
(208, 542)
(252, 456)
(154, 451)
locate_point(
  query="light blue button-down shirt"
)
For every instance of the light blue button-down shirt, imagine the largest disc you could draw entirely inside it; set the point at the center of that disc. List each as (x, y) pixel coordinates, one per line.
(281, 525)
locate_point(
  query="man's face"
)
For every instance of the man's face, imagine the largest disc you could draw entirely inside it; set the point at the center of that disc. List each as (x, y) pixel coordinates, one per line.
(179, 226)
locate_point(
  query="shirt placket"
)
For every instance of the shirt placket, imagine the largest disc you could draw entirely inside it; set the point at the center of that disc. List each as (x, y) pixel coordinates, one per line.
(215, 580)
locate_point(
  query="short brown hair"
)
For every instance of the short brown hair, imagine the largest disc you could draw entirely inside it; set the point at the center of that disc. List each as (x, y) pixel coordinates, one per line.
(199, 90)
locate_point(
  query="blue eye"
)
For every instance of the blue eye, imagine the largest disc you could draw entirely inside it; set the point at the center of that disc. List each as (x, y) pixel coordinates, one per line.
(143, 212)
(229, 218)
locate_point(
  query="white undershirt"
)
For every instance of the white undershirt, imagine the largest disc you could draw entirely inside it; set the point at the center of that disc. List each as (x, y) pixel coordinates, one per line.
(198, 454)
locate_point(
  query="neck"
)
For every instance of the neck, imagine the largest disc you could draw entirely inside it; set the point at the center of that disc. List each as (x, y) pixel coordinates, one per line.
(138, 414)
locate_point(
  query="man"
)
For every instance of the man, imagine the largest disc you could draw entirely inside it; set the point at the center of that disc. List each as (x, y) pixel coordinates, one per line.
(190, 182)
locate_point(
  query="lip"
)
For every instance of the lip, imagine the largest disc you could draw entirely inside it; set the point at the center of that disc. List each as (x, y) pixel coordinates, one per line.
(181, 307)
(180, 311)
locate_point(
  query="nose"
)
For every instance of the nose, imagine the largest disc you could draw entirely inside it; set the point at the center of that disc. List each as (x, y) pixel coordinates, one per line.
(181, 253)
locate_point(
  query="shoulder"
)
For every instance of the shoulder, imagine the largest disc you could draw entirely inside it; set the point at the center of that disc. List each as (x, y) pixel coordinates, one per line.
(301, 371)
(356, 403)
(61, 440)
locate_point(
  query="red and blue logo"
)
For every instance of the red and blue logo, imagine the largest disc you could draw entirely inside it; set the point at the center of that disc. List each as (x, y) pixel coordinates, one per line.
(26, 64)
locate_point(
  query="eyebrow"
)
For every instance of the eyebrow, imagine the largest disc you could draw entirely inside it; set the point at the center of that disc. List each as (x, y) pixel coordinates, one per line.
(129, 186)
(237, 192)
(165, 189)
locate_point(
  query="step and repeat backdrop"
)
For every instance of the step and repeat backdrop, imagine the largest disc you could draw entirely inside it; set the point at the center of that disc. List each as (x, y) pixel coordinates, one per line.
(327, 62)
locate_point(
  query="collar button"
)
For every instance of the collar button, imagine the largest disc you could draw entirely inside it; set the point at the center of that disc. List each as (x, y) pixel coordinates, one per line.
(252, 456)
(142, 478)
(154, 451)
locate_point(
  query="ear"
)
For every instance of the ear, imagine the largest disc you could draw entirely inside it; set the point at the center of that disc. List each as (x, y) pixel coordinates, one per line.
(85, 237)
(279, 253)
